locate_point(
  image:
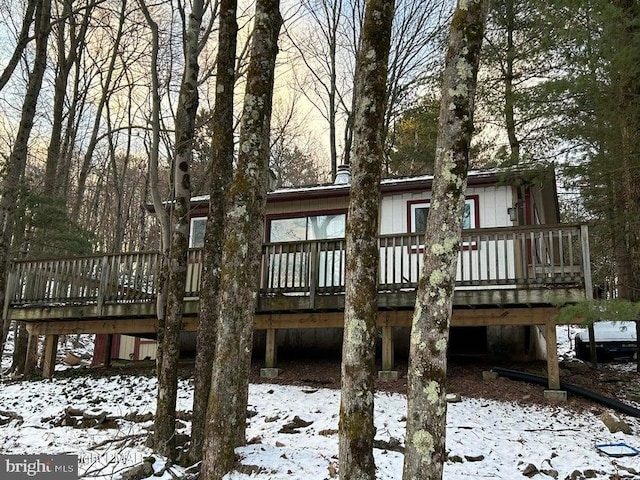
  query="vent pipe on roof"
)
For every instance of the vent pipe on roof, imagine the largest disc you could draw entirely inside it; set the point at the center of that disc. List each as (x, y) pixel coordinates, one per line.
(343, 175)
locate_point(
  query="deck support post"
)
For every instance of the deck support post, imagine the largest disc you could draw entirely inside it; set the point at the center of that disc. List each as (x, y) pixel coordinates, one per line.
(106, 359)
(553, 369)
(271, 349)
(388, 355)
(32, 355)
(271, 355)
(49, 355)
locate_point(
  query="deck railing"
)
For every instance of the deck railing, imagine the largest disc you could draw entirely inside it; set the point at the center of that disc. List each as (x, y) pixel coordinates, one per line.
(519, 257)
(490, 257)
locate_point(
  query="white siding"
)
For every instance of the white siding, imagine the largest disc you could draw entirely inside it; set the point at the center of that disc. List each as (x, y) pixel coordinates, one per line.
(127, 347)
(493, 203)
(147, 350)
(483, 260)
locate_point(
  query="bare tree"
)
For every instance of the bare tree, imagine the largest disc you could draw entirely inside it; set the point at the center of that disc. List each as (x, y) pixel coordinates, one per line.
(293, 159)
(415, 59)
(154, 187)
(226, 413)
(328, 77)
(17, 161)
(164, 432)
(107, 76)
(22, 41)
(356, 429)
(221, 176)
(70, 43)
(425, 452)
(326, 16)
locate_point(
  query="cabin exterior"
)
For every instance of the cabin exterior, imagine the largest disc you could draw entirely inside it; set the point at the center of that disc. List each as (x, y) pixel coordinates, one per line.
(515, 262)
(493, 200)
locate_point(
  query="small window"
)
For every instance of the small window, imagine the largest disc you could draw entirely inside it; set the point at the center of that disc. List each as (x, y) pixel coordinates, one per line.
(419, 211)
(196, 236)
(418, 216)
(469, 216)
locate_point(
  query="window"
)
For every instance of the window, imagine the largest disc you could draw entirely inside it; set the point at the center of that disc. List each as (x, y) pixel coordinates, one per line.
(470, 215)
(289, 266)
(196, 237)
(312, 227)
(418, 211)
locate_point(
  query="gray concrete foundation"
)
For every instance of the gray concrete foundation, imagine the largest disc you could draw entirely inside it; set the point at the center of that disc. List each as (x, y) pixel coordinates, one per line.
(388, 375)
(270, 372)
(556, 395)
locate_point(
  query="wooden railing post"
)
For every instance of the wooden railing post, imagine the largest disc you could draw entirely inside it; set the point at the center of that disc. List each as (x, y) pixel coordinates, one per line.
(586, 262)
(9, 290)
(588, 288)
(104, 282)
(314, 264)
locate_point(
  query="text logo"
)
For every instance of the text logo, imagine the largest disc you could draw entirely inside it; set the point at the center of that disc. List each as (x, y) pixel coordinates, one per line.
(38, 467)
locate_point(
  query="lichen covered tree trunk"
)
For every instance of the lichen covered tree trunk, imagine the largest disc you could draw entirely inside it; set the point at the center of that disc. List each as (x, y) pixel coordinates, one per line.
(426, 418)
(164, 425)
(242, 252)
(221, 176)
(356, 430)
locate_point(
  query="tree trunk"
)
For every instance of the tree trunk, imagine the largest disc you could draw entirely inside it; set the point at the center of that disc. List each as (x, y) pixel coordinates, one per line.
(20, 343)
(164, 441)
(357, 430)
(222, 174)
(154, 188)
(226, 412)
(625, 73)
(509, 100)
(17, 160)
(426, 417)
(23, 40)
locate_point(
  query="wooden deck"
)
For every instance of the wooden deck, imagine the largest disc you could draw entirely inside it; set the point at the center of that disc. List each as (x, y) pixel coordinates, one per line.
(506, 276)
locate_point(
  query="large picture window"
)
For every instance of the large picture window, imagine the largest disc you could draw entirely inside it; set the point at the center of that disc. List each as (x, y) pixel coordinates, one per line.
(294, 266)
(310, 227)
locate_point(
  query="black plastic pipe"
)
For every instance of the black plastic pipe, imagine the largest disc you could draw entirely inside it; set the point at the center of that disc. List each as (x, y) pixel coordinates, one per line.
(569, 387)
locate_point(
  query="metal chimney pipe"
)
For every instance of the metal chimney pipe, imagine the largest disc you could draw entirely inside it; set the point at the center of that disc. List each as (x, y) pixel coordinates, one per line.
(343, 175)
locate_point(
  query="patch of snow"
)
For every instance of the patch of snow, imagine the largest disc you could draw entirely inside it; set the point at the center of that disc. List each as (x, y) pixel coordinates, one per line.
(485, 438)
(565, 336)
(504, 435)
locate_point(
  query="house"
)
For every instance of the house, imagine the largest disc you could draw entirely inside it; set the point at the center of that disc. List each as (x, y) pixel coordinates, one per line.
(515, 261)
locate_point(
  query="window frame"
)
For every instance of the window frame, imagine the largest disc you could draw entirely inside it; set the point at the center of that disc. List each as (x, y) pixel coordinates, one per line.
(300, 214)
(474, 217)
(192, 223)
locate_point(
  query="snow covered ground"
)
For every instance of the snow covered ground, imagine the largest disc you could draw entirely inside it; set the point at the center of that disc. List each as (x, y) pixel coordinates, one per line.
(485, 439)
